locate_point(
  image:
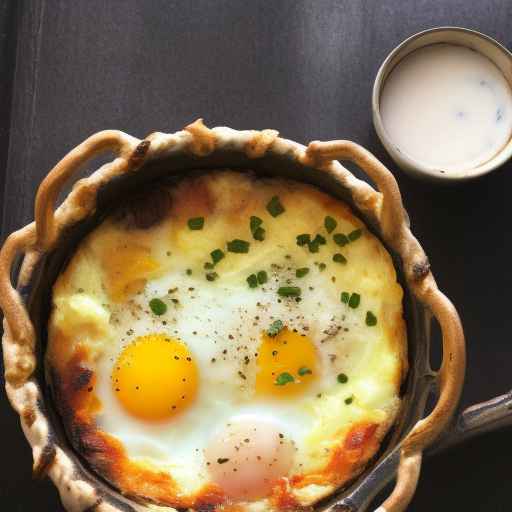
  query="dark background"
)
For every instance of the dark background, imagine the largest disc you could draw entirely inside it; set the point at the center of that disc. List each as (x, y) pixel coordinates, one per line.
(306, 68)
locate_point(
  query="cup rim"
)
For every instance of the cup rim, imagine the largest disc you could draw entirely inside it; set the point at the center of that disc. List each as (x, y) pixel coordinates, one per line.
(407, 163)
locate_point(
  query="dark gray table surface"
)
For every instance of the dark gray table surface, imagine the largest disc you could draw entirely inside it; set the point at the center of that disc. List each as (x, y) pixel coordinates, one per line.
(306, 68)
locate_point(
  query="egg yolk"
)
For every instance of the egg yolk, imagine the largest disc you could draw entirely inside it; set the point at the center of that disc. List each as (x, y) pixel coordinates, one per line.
(286, 363)
(155, 378)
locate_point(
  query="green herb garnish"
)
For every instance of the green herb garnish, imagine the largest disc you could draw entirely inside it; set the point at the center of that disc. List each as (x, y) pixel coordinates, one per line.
(313, 247)
(196, 223)
(284, 378)
(349, 400)
(255, 223)
(303, 239)
(340, 239)
(301, 272)
(217, 255)
(252, 281)
(158, 306)
(289, 291)
(262, 277)
(304, 370)
(339, 258)
(354, 300)
(274, 207)
(275, 328)
(322, 266)
(259, 234)
(189, 271)
(354, 235)
(371, 319)
(342, 378)
(239, 246)
(345, 296)
(211, 276)
(330, 224)
(319, 240)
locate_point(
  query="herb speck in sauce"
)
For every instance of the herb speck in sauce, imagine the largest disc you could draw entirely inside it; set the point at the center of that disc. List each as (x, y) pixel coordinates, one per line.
(275, 328)
(301, 272)
(330, 224)
(340, 239)
(217, 255)
(339, 258)
(284, 378)
(289, 291)
(252, 281)
(371, 319)
(158, 306)
(196, 223)
(238, 246)
(262, 277)
(303, 239)
(274, 207)
(342, 378)
(354, 235)
(354, 300)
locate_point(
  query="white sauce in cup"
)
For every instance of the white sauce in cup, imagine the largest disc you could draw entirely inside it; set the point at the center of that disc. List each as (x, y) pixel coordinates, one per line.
(447, 107)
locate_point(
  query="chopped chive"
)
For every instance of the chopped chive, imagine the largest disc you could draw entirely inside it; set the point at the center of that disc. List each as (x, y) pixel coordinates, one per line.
(371, 319)
(196, 223)
(322, 266)
(342, 378)
(274, 207)
(159, 307)
(340, 239)
(339, 258)
(354, 300)
(239, 246)
(345, 296)
(284, 378)
(304, 370)
(289, 291)
(211, 276)
(313, 247)
(301, 272)
(330, 224)
(255, 223)
(208, 265)
(262, 277)
(189, 271)
(252, 281)
(319, 240)
(259, 234)
(303, 239)
(349, 400)
(354, 235)
(275, 328)
(217, 255)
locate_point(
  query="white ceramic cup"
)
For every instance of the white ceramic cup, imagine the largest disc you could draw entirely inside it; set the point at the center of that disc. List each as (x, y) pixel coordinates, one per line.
(472, 39)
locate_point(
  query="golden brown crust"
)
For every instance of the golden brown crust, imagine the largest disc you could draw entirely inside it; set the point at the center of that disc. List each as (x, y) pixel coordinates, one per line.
(18, 337)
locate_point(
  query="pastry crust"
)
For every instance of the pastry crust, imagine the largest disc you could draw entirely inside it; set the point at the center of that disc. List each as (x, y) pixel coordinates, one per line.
(78, 489)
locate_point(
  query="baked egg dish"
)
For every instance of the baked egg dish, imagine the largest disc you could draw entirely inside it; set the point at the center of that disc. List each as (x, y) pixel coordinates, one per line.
(228, 343)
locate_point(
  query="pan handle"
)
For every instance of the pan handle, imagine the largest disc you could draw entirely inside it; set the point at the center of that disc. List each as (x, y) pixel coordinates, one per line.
(127, 148)
(478, 419)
